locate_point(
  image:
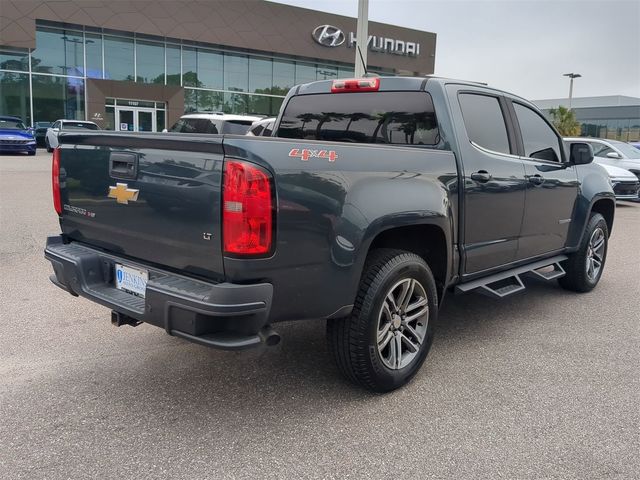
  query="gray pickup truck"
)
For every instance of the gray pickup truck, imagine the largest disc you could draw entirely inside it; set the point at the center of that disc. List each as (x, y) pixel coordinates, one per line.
(373, 199)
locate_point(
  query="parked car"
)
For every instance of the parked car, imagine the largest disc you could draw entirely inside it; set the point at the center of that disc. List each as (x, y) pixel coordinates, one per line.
(59, 126)
(614, 153)
(262, 127)
(15, 137)
(216, 122)
(635, 144)
(374, 198)
(625, 184)
(40, 129)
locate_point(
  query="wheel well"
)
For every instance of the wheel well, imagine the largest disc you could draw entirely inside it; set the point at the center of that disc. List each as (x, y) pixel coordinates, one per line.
(607, 209)
(427, 241)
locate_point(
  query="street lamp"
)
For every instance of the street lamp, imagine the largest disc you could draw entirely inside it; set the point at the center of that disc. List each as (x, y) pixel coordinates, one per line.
(571, 77)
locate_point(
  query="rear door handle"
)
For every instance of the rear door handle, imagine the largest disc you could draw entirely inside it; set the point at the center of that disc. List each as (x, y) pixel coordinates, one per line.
(536, 179)
(481, 176)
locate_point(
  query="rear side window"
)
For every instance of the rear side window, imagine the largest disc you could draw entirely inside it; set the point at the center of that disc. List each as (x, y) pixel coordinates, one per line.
(484, 122)
(195, 125)
(236, 127)
(404, 118)
(539, 139)
(79, 126)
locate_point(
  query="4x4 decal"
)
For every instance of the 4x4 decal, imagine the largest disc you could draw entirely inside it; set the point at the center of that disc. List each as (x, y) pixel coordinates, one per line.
(305, 154)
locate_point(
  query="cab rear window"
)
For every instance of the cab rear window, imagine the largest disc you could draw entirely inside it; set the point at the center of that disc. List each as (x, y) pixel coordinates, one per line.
(402, 118)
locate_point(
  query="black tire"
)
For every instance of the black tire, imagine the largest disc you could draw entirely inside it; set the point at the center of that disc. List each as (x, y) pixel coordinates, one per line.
(578, 276)
(32, 153)
(46, 144)
(353, 340)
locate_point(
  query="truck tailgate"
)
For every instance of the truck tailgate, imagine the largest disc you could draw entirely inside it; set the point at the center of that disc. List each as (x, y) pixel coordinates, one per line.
(151, 197)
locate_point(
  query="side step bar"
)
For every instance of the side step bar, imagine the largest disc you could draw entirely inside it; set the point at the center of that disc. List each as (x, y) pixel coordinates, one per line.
(499, 285)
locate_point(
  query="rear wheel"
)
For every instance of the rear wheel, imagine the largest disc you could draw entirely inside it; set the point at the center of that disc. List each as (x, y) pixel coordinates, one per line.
(382, 345)
(584, 268)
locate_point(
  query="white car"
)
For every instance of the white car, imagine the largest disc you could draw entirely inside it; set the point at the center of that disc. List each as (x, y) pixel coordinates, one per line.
(51, 137)
(216, 122)
(625, 184)
(262, 128)
(614, 153)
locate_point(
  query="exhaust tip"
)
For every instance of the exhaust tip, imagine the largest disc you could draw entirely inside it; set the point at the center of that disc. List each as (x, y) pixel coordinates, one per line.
(270, 337)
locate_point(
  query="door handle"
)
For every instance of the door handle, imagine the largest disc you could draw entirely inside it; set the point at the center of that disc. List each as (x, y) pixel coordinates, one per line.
(481, 176)
(123, 165)
(536, 179)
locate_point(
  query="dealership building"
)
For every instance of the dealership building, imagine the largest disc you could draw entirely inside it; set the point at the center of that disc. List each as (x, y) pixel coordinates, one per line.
(139, 65)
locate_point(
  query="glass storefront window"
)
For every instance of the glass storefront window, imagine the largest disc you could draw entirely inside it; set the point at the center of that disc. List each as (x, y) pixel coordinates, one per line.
(160, 120)
(57, 97)
(189, 68)
(324, 72)
(15, 95)
(173, 65)
(284, 77)
(276, 103)
(305, 73)
(14, 60)
(260, 75)
(345, 72)
(118, 58)
(236, 73)
(236, 103)
(259, 105)
(209, 69)
(150, 62)
(58, 51)
(93, 45)
(109, 118)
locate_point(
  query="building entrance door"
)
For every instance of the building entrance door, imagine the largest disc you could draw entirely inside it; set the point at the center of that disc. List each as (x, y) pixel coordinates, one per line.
(135, 119)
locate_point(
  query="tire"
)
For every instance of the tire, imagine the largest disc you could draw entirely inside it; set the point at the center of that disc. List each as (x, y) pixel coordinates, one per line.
(32, 153)
(353, 341)
(46, 144)
(581, 272)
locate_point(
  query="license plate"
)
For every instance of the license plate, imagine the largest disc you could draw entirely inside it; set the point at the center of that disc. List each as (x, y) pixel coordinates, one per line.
(131, 280)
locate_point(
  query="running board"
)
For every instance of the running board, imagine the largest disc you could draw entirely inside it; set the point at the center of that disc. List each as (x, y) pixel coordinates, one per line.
(499, 285)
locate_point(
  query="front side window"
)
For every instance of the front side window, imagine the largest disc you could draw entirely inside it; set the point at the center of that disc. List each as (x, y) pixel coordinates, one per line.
(539, 139)
(600, 149)
(405, 118)
(484, 121)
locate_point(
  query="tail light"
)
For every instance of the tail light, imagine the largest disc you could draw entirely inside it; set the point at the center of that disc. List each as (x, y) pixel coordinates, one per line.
(55, 181)
(247, 209)
(356, 85)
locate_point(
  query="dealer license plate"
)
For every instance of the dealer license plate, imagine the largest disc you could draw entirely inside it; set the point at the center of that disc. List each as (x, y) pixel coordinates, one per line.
(131, 280)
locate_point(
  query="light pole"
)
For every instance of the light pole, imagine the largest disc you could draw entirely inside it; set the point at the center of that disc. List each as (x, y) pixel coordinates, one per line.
(571, 77)
(362, 37)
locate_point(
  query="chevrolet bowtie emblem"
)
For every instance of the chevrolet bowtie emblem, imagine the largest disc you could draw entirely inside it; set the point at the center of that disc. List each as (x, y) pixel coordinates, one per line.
(123, 194)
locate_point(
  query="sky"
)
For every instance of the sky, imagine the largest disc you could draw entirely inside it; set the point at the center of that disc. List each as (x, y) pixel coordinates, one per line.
(522, 46)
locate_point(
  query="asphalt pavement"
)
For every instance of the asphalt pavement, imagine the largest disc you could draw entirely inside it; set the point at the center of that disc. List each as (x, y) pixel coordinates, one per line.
(545, 384)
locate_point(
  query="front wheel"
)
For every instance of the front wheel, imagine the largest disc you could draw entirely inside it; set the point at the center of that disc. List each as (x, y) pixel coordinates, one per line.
(382, 345)
(46, 144)
(584, 268)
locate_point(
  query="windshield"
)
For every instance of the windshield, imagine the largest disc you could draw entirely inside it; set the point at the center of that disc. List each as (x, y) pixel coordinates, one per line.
(43, 124)
(12, 125)
(627, 150)
(79, 126)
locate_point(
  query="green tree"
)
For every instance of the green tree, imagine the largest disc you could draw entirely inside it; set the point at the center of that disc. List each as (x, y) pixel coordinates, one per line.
(565, 121)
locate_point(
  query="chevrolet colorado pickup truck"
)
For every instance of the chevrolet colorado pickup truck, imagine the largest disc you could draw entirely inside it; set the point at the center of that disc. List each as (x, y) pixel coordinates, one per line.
(373, 198)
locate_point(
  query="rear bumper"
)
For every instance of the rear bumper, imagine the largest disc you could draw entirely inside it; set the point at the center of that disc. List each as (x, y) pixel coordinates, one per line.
(221, 315)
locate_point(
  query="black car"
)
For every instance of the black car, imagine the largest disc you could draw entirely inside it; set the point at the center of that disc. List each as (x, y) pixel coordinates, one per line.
(40, 129)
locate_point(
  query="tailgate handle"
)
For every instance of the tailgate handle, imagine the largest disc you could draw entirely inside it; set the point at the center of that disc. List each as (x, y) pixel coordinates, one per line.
(123, 165)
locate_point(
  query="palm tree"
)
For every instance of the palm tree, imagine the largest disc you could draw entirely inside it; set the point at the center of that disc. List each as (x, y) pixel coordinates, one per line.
(565, 121)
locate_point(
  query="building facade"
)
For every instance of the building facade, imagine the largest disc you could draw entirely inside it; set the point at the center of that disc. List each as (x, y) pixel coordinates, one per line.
(615, 117)
(139, 65)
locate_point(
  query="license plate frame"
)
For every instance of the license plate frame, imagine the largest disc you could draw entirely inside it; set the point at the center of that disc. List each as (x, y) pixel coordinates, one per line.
(132, 280)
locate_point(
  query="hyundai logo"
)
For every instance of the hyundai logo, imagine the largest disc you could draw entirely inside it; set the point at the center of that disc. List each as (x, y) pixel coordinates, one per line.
(328, 36)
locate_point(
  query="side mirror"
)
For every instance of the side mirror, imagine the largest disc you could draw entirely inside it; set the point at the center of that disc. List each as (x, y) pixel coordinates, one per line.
(580, 153)
(615, 155)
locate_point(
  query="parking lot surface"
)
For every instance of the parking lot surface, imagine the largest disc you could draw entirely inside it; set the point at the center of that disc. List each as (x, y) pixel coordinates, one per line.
(544, 384)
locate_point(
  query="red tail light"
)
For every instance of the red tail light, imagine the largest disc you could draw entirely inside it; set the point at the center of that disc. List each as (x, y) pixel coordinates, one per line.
(247, 209)
(356, 85)
(55, 181)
